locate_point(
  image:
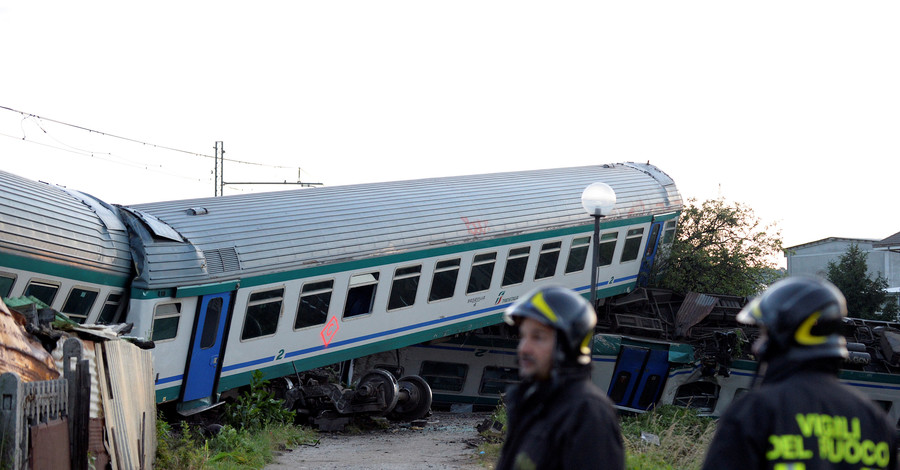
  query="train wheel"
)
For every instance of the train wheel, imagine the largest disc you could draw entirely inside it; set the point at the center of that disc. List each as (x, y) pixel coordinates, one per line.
(379, 381)
(415, 399)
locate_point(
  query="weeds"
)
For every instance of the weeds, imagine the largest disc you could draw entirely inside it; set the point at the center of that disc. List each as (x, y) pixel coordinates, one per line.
(257, 408)
(257, 426)
(682, 439)
(667, 438)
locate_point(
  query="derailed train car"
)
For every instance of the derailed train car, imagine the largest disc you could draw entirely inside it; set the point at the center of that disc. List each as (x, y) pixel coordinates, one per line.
(652, 348)
(288, 281)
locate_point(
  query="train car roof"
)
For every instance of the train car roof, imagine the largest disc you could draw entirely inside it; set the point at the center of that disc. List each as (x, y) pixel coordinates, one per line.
(46, 228)
(209, 240)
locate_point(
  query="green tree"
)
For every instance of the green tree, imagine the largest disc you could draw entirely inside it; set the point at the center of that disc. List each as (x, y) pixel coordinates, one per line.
(720, 248)
(867, 297)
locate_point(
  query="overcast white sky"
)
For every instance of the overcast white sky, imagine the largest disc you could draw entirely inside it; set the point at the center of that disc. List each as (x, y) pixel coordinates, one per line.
(790, 107)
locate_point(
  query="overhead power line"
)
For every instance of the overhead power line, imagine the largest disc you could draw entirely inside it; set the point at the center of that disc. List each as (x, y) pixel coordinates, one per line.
(128, 139)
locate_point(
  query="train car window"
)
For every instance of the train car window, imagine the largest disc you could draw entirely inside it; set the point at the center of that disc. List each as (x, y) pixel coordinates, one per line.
(548, 260)
(699, 395)
(620, 385)
(495, 380)
(165, 321)
(632, 245)
(361, 295)
(315, 300)
(607, 248)
(447, 376)
(79, 303)
(404, 287)
(110, 308)
(443, 284)
(43, 291)
(651, 389)
(651, 241)
(578, 254)
(6, 283)
(669, 232)
(211, 323)
(515, 266)
(263, 311)
(482, 272)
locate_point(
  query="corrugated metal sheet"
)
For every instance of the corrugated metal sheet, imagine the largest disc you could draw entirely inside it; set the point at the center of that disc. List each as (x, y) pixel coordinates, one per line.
(279, 231)
(48, 223)
(695, 308)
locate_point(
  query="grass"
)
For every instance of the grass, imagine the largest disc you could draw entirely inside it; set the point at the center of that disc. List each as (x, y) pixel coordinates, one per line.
(682, 438)
(257, 426)
(187, 447)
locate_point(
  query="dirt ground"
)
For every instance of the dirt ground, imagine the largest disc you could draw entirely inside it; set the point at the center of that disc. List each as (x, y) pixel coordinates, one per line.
(447, 440)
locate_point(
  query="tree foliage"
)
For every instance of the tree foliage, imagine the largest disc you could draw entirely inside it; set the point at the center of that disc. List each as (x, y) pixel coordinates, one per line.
(720, 248)
(867, 297)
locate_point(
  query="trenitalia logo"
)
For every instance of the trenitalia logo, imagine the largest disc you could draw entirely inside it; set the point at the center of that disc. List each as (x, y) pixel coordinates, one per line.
(500, 297)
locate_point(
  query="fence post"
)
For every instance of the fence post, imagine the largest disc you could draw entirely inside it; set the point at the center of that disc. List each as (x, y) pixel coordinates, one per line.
(12, 440)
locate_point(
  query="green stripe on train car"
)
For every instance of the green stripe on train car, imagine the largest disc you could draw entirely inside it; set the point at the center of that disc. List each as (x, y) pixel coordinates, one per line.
(108, 278)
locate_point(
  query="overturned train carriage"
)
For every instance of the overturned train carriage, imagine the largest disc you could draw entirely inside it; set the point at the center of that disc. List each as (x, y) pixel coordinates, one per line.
(285, 282)
(652, 347)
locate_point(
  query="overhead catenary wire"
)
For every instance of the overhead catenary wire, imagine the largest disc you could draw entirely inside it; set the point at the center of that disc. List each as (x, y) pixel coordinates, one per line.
(127, 139)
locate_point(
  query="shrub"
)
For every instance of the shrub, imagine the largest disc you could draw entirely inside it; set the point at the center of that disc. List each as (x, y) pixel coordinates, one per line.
(257, 408)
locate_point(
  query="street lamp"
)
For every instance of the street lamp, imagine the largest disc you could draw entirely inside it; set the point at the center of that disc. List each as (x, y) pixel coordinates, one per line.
(598, 199)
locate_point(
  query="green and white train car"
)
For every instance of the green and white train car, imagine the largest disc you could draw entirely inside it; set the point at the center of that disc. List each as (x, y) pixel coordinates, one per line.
(637, 373)
(287, 281)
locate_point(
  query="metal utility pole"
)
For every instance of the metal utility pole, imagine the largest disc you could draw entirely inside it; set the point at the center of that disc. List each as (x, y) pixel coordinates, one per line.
(219, 178)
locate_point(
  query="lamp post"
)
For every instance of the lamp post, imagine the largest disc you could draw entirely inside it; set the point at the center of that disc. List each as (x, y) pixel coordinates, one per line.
(598, 199)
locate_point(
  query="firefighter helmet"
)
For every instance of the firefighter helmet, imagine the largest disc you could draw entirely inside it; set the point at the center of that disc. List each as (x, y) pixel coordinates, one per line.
(802, 318)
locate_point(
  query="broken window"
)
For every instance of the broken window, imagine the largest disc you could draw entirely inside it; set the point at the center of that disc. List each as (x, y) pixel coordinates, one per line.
(494, 380)
(79, 303)
(444, 281)
(447, 376)
(699, 395)
(404, 287)
(546, 266)
(361, 295)
(482, 272)
(578, 254)
(263, 311)
(632, 245)
(315, 300)
(165, 321)
(515, 266)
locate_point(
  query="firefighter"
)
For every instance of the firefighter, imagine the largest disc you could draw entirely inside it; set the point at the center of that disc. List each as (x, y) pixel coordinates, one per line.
(801, 417)
(556, 417)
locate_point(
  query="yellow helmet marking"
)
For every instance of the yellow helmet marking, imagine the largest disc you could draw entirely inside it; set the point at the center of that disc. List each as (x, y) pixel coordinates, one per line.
(541, 304)
(584, 345)
(803, 334)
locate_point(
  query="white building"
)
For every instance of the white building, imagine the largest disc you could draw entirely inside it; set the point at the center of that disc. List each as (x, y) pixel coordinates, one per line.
(812, 258)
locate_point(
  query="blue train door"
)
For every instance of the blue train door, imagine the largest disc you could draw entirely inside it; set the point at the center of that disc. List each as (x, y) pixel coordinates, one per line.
(207, 346)
(649, 254)
(638, 377)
